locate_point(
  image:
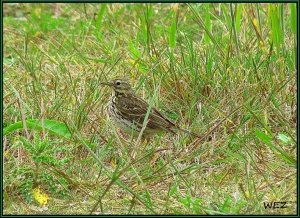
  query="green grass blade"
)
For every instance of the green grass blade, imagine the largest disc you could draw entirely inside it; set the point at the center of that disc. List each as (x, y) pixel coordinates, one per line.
(202, 25)
(98, 23)
(238, 17)
(276, 25)
(53, 126)
(172, 31)
(207, 23)
(293, 18)
(268, 141)
(234, 30)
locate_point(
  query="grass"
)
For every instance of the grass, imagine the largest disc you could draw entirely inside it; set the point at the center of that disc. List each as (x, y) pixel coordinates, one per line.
(224, 70)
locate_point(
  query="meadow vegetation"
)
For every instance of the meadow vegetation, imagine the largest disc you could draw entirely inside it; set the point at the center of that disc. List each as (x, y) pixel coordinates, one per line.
(229, 66)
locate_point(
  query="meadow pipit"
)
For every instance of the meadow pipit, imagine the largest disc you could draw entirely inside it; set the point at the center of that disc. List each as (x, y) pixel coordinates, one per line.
(129, 111)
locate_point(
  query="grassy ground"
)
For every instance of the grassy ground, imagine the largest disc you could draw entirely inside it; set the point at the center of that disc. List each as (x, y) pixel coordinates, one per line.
(198, 63)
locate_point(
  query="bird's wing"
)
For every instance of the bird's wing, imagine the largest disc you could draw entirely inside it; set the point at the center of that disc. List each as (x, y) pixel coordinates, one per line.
(135, 108)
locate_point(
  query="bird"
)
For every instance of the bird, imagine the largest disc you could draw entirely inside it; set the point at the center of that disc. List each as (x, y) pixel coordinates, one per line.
(128, 111)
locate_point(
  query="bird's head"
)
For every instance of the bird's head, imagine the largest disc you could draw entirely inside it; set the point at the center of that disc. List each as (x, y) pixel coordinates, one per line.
(119, 85)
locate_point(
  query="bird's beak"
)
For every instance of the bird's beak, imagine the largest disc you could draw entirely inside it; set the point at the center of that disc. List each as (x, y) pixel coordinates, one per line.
(106, 83)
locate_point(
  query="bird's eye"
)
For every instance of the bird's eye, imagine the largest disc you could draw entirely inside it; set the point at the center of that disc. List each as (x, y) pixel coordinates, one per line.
(118, 83)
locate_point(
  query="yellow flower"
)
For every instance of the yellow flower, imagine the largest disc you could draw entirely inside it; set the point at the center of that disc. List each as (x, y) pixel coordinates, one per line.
(40, 197)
